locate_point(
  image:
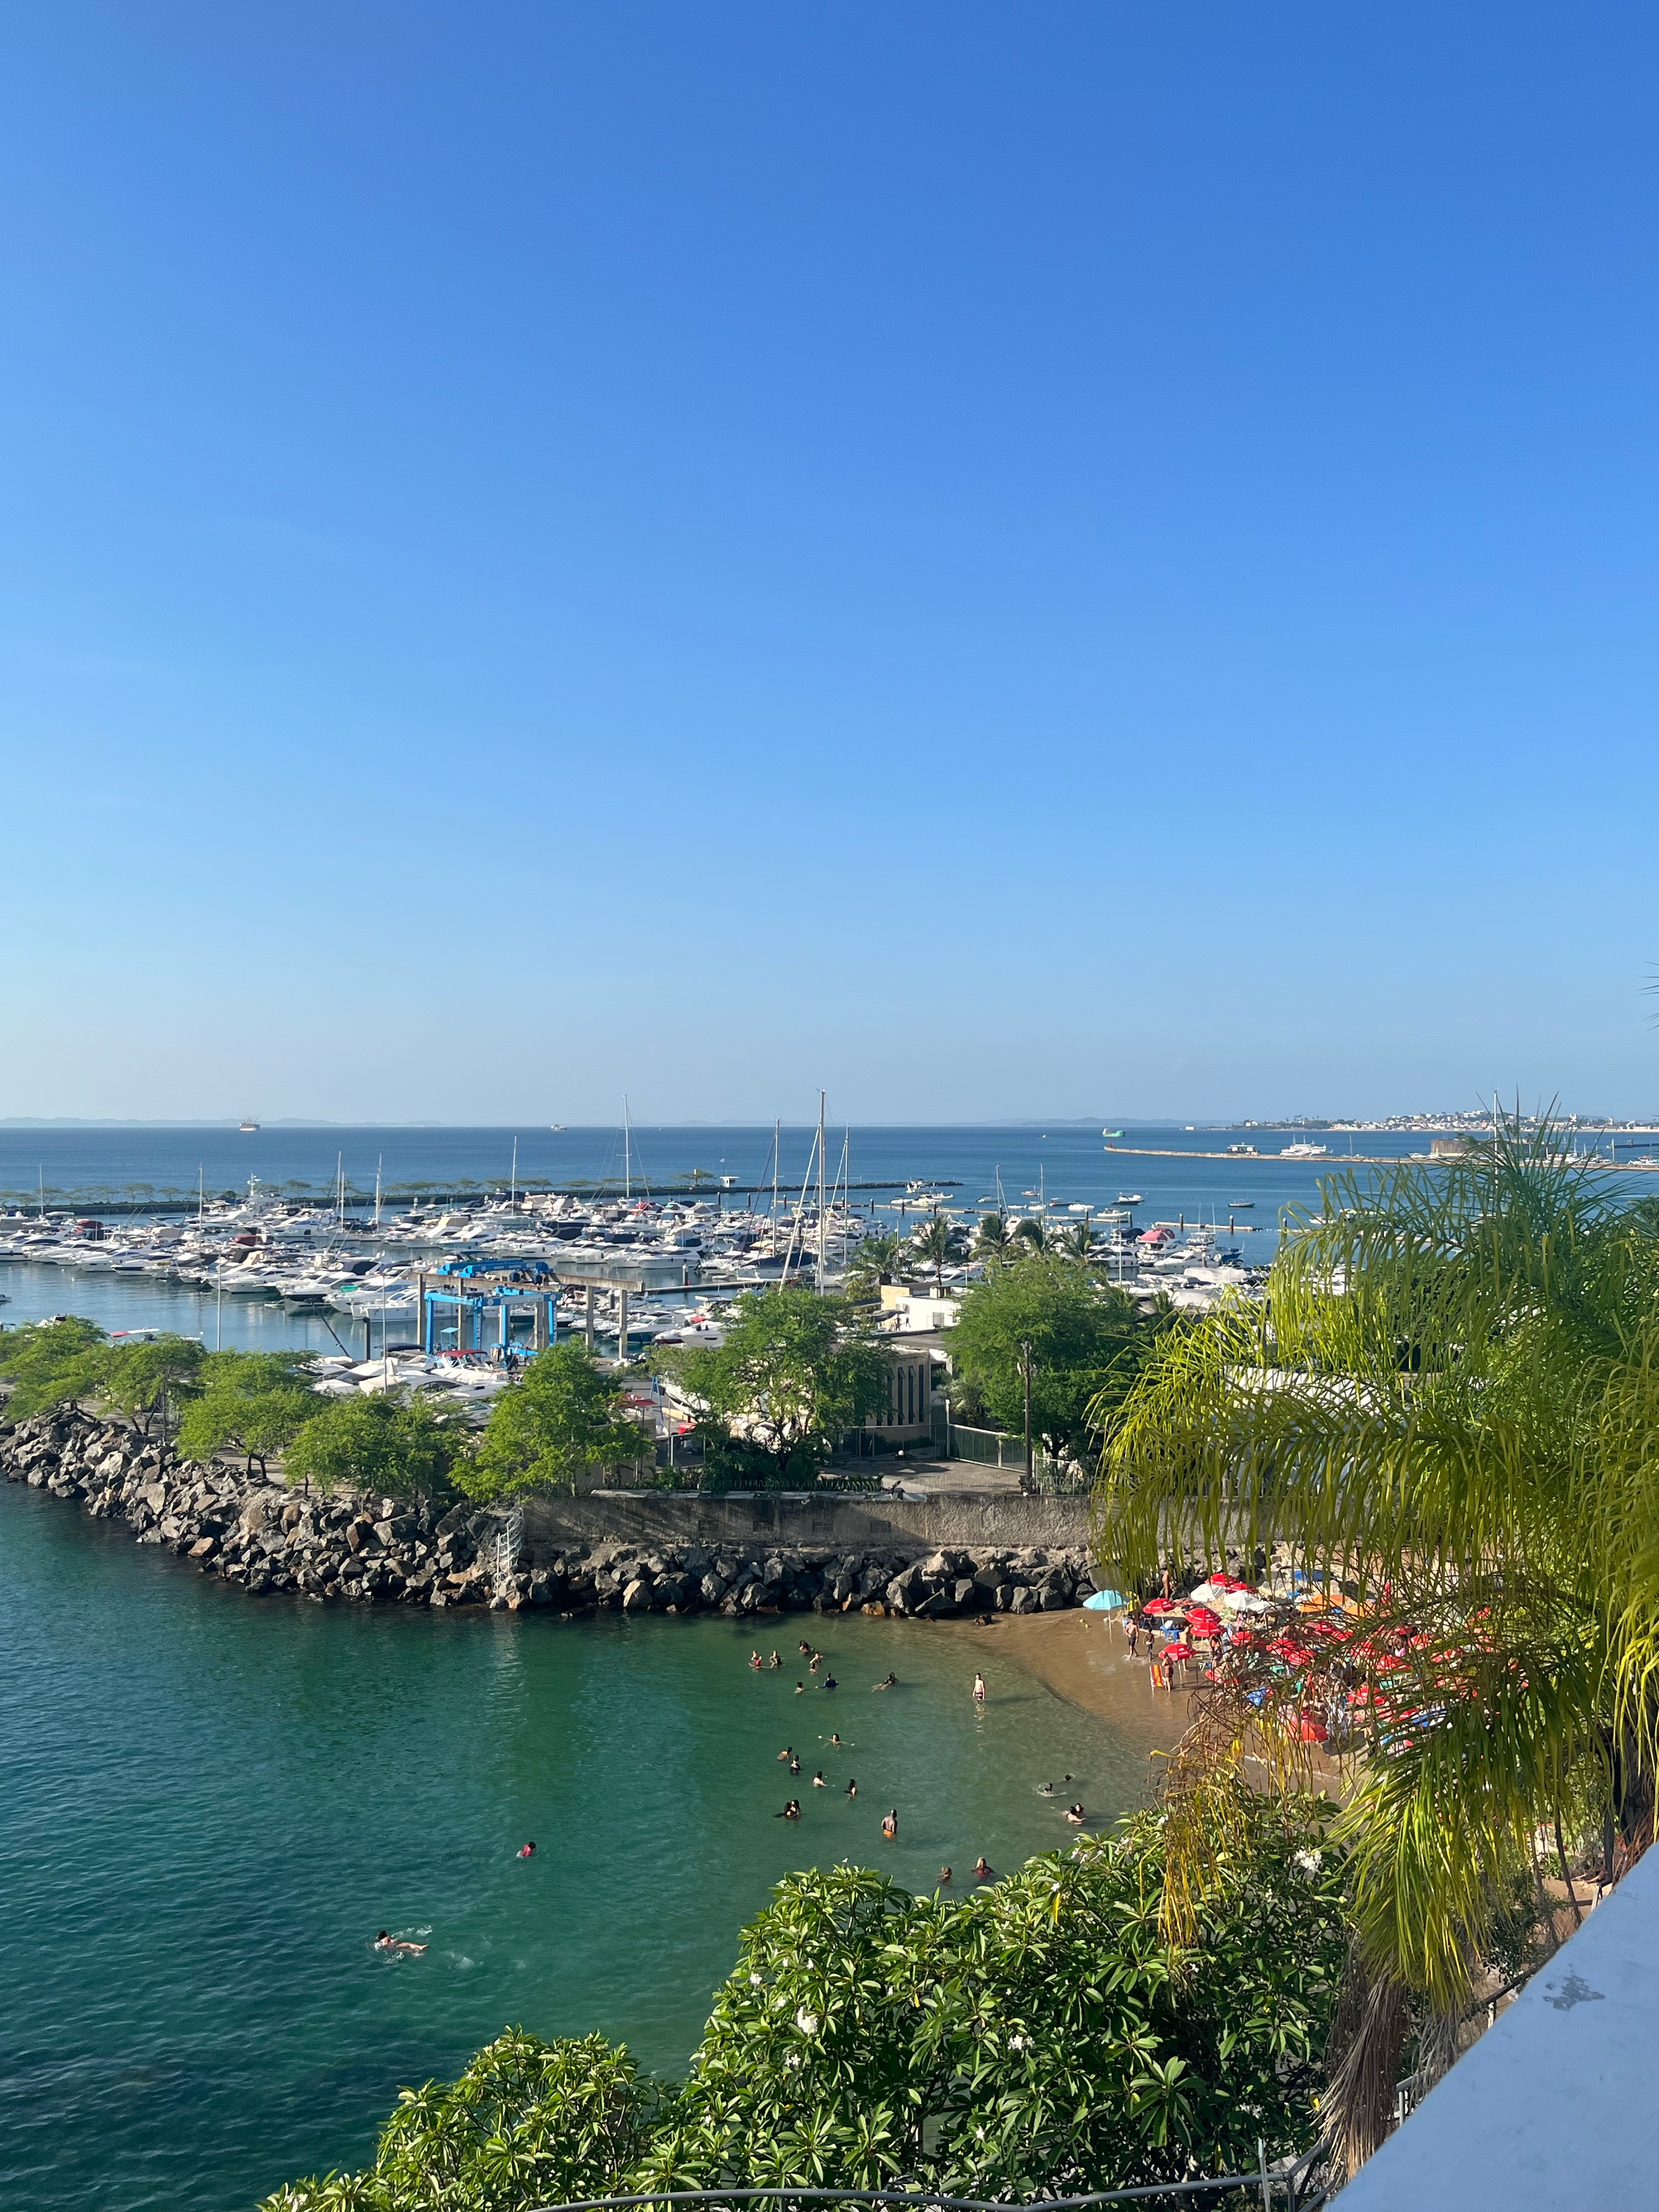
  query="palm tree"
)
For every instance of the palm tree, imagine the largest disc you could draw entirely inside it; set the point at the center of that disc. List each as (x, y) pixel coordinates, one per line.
(1448, 1406)
(938, 1241)
(991, 1240)
(1078, 1241)
(1034, 1234)
(876, 1256)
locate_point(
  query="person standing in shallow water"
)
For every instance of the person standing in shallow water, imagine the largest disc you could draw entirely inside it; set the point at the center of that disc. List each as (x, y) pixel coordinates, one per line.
(979, 1689)
(889, 1824)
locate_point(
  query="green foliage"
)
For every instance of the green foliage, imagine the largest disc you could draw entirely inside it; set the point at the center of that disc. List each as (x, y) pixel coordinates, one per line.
(795, 1371)
(528, 2124)
(990, 1238)
(876, 1256)
(1040, 2035)
(1088, 1344)
(63, 1363)
(1451, 1402)
(254, 1402)
(560, 1421)
(50, 1363)
(390, 1442)
(142, 1380)
(939, 1242)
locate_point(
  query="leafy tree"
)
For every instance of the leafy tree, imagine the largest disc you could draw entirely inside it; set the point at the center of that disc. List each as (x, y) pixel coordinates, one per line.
(1077, 1240)
(939, 1243)
(527, 2123)
(561, 1418)
(1087, 1343)
(1451, 1402)
(394, 1443)
(50, 1363)
(1044, 2035)
(795, 1371)
(254, 1402)
(144, 1380)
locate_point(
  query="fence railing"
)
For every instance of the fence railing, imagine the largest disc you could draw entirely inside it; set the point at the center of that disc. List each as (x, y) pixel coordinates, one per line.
(1303, 2186)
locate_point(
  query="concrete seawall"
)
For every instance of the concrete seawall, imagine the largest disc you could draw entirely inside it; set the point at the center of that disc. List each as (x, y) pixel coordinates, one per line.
(774, 1518)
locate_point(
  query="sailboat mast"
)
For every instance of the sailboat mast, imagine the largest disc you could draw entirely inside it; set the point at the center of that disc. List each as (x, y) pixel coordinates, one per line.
(379, 1162)
(201, 1192)
(513, 1187)
(628, 1165)
(823, 1219)
(777, 1140)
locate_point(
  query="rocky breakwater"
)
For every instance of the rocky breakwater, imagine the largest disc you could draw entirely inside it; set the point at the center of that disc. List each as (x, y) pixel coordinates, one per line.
(368, 1550)
(945, 1586)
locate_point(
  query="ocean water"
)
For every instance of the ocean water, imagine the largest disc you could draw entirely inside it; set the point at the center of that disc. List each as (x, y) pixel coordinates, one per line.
(212, 1803)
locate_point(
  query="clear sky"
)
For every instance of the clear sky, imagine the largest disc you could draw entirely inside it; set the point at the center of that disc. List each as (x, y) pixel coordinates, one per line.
(1004, 559)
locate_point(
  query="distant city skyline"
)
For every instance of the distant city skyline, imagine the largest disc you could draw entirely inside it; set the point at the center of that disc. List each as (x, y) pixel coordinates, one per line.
(990, 559)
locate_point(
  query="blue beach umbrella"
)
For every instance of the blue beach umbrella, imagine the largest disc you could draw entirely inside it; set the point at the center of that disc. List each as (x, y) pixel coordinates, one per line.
(1105, 1601)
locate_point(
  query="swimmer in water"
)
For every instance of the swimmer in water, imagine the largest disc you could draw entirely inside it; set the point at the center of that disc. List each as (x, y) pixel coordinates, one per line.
(818, 1782)
(979, 1689)
(1076, 1815)
(891, 1683)
(889, 1824)
(527, 1850)
(800, 1689)
(1046, 1791)
(982, 1871)
(775, 1661)
(815, 1663)
(385, 1942)
(754, 1659)
(787, 1753)
(805, 1648)
(828, 1683)
(852, 1790)
(945, 1877)
(795, 1766)
(833, 1738)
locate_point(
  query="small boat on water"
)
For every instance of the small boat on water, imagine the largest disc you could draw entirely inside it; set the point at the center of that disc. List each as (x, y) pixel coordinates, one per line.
(249, 1129)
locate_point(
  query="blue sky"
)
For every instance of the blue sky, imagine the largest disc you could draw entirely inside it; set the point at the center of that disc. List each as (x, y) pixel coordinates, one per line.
(1004, 560)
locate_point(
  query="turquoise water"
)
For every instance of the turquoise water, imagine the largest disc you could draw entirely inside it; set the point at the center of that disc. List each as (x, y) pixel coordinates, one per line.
(211, 1803)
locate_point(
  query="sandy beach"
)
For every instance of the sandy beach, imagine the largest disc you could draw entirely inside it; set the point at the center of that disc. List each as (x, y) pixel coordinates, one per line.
(1080, 1656)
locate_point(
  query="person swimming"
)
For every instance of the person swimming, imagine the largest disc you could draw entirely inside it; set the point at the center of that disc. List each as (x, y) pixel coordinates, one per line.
(815, 1663)
(982, 1872)
(800, 1689)
(786, 1754)
(754, 1659)
(527, 1850)
(795, 1766)
(775, 1661)
(833, 1738)
(1076, 1815)
(805, 1648)
(828, 1683)
(791, 1811)
(1046, 1791)
(891, 1683)
(385, 1942)
(945, 1877)
(818, 1782)
(852, 1790)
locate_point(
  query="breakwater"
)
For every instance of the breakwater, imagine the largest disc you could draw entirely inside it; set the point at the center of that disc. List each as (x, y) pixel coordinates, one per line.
(358, 1549)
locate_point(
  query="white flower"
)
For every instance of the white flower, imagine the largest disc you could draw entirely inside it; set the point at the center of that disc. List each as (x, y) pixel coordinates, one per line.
(1309, 1862)
(755, 1980)
(807, 2022)
(1019, 2043)
(791, 2058)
